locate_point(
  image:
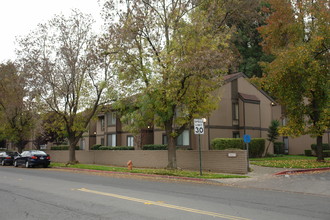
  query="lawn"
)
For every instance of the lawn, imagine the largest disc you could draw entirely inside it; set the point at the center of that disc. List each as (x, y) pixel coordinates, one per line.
(165, 172)
(290, 161)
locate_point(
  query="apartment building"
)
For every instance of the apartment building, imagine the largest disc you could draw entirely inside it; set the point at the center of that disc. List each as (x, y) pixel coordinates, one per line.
(243, 109)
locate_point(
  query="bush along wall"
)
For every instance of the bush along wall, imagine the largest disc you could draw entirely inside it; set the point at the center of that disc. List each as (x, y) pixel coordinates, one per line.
(100, 147)
(227, 143)
(256, 146)
(62, 147)
(115, 148)
(325, 148)
(154, 147)
(96, 147)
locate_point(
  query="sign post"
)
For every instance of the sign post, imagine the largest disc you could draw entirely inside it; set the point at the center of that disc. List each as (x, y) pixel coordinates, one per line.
(247, 140)
(199, 129)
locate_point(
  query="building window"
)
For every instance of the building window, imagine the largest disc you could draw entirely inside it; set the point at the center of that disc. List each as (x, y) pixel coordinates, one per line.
(286, 145)
(82, 144)
(164, 139)
(111, 119)
(102, 123)
(111, 141)
(183, 139)
(102, 141)
(284, 121)
(130, 141)
(235, 114)
(236, 134)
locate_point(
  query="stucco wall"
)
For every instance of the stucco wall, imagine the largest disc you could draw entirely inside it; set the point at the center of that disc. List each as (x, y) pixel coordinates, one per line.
(266, 108)
(215, 161)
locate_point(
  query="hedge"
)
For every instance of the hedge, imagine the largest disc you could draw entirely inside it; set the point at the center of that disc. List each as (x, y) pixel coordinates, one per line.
(325, 147)
(115, 148)
(96, 147)
(256, 146)
(63, 147)
(154, 147)
(227, 143)
(308, 153)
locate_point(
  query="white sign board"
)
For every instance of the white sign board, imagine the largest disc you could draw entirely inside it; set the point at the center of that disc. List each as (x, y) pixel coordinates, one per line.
(198, 126)
(232, 155)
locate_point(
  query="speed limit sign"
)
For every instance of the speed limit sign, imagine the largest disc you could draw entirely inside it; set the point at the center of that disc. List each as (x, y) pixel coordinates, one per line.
(198, 126)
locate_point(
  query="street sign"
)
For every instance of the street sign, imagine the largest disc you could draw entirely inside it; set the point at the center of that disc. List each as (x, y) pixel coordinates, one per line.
(247, 138)
(198, 126)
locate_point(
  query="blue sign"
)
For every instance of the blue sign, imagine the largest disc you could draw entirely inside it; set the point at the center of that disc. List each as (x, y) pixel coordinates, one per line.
(247, 138)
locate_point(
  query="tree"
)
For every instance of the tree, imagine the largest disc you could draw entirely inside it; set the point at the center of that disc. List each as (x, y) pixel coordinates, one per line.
(245, 17)
(272, 133)
(171, 56)
(69, 71)
(50, 128)
(16, 107)
(298, 34)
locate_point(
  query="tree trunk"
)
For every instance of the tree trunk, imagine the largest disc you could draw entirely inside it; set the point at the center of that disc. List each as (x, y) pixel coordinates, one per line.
(72, 152)
(19, 148)
(266, 151)
(171, 152)
(319, 149)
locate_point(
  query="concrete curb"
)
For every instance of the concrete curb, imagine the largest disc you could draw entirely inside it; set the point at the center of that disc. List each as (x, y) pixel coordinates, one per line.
(287, 172)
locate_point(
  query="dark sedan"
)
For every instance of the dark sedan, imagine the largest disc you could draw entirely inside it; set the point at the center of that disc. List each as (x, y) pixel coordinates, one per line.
(7, 157)
(32, 158)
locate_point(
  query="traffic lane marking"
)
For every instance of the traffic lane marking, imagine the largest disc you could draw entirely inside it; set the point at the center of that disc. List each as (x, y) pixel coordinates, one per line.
(162, 204)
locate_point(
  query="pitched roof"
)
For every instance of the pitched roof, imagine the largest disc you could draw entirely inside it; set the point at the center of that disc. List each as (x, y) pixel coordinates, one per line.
(249, 97)
(231, 77)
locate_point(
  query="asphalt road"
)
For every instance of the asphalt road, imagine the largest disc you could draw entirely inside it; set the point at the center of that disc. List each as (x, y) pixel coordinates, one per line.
(50, 194)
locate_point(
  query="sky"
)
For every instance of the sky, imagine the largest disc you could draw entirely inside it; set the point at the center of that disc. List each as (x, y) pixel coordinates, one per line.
(19, 17)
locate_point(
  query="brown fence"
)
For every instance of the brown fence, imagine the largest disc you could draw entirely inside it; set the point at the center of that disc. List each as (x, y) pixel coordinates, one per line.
(224, 161)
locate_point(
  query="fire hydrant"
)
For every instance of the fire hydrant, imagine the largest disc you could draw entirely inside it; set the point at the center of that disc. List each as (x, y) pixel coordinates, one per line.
(130, 165)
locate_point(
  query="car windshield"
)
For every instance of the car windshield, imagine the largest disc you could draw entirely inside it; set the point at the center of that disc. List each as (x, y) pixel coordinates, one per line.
(38, 153)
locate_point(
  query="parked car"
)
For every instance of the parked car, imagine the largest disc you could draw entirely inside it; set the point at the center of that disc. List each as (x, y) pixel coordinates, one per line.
(7, 157)
(32, 158)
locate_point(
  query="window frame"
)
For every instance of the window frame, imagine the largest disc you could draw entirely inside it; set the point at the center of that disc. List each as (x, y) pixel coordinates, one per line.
(235, 113)
(111, 119)
(130, 141)
(113, 138)
(185, 137)
(164, 139)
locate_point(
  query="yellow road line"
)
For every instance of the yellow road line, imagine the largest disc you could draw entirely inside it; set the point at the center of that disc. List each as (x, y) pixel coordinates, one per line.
(162, 204)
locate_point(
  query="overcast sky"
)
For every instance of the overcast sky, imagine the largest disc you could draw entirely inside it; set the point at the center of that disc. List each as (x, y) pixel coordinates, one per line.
(18, 17)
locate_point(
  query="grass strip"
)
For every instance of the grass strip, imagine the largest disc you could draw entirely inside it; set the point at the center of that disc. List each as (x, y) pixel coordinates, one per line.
(288, 161)
(178, 173)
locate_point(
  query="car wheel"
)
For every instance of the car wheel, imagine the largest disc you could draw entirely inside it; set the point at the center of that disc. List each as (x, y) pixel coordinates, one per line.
(15, 164)
(27, 164)
(3, 163)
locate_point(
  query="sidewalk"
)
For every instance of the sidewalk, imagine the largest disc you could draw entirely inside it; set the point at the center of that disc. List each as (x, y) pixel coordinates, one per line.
(312, 181)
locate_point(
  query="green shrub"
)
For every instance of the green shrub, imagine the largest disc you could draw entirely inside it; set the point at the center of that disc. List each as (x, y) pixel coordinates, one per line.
(308, 152)
(96, 147)
(278, 148)
(62, 147)
(115, 148)
(227, 143)
(154, 147)
(256, 146)
(325, 147)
